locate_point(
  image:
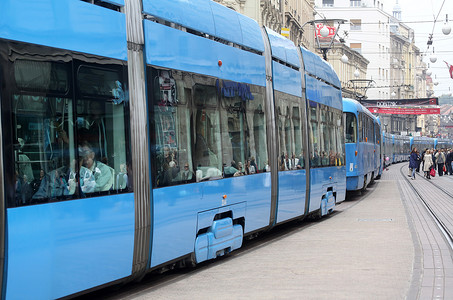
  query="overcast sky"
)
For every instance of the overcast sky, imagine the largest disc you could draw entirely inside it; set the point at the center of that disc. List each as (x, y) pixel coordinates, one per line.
(414, 11)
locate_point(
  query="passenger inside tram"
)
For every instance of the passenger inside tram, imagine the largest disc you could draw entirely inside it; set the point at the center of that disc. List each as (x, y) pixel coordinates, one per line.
(95, 176)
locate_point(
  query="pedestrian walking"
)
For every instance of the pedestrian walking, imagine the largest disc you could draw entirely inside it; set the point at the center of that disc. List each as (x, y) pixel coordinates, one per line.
(413, 162)
(440, 160)
(448, 161)
(427, 163)
(419, 161)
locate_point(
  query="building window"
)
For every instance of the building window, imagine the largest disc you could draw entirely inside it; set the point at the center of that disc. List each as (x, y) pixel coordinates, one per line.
(356, 47)
(356, 24)
(355, 3)
(327, 3)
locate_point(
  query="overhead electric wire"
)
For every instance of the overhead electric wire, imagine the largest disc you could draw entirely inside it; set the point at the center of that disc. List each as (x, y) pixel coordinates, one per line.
(434, 25)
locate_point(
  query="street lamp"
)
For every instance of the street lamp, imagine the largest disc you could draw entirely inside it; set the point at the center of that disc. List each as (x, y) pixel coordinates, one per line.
(324, 32)
(344, 59)
(446, 29)
(393, 94)
(361, 84)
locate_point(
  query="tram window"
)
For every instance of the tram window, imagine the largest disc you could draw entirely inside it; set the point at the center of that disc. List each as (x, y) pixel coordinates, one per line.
(257, 119)
(207, 142)
(102, 121)
(244, 150)
(288, 137)
(332, 136)
(99, 82)
(171, 94)
(50, 152)
(313, 134)
(339, 140)
(289, 132)
(298, 138)
(350, 128)
(44, 149)
(280, 138)
(324, 135)
(233, 116)
(360, 128)
(377, 133)
(366, 128)
(334, 120)
(370, 130)
(42, 132)
(214, 127)
(41, 76)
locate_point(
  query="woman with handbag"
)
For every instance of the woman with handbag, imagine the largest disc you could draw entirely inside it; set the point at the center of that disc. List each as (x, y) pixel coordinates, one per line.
(427, 163)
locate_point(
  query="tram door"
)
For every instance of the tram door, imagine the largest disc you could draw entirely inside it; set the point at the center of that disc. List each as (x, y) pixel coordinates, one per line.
(291, 164)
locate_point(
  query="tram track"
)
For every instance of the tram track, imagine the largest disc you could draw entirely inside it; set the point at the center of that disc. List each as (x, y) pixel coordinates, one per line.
(440, 215)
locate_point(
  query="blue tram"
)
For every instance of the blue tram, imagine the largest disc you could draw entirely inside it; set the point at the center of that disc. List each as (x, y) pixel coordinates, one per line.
(138, 134)
(387, 148)
(362, 138)
(401, 148)
(378, 149)
(442, 143)
(422, 143)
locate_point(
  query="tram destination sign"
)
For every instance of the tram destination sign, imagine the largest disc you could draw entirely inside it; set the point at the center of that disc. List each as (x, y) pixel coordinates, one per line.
(400, 102)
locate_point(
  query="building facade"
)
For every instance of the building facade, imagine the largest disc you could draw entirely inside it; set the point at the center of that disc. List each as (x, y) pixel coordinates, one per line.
(368, 33)
(395, 63)
(352, 86)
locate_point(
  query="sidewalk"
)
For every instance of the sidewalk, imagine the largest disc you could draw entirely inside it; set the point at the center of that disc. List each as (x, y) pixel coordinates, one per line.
(363, 251)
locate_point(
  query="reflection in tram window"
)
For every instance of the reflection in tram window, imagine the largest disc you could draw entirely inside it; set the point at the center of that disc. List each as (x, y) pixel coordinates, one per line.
(290, 131)
(204, 128)
(47, 160)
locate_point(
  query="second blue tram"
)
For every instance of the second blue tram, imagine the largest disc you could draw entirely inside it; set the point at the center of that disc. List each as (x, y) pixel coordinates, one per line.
(360, 142)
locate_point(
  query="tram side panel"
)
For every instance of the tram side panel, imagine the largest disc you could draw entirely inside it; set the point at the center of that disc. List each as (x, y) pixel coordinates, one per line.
(326, 135)
(366, 147)
(211, 118)
(290, 126)
(406, 147)
(388, 149)
(378, 148)
(61, 240)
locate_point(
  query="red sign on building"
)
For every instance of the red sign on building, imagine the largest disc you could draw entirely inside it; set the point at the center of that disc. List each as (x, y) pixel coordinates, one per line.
(404, 110)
